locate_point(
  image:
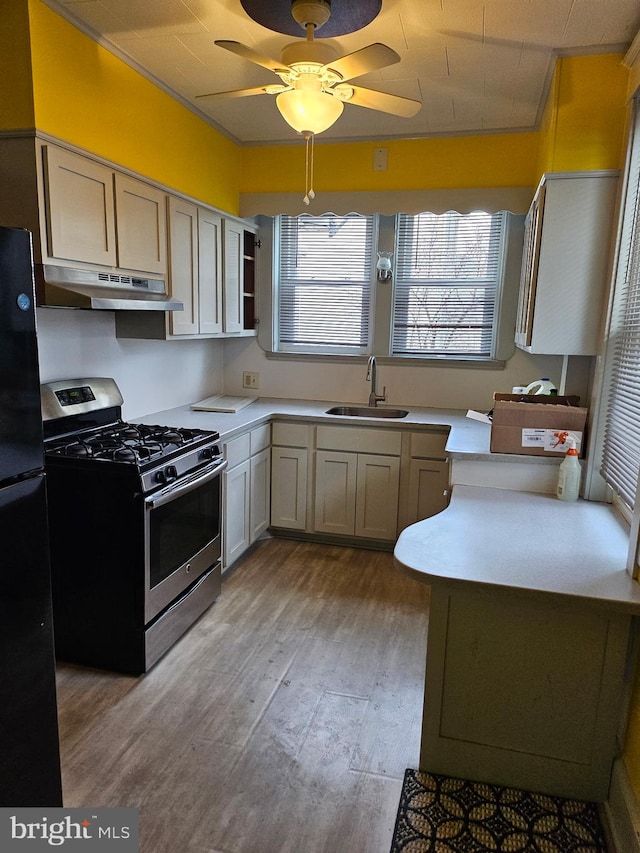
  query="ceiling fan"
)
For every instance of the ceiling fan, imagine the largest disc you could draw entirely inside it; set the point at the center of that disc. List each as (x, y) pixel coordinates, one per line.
(314, 82)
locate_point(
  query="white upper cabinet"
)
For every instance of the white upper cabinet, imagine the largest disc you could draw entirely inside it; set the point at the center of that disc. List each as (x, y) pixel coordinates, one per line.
(565, 263)
(195, 276)
(96, 215)
(210, 271)
(80, 209)
(233, 276)
(183, 266)
(142, 227)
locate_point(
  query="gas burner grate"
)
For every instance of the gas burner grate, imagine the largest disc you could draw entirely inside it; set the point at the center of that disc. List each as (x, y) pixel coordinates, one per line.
(125, 442)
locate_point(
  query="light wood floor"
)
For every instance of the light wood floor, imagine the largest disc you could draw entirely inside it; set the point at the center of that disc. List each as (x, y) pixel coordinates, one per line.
(282, 721)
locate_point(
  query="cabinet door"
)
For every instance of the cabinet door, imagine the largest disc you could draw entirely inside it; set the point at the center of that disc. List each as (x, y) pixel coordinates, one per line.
(80, 208)
(210, 271)
(183, 266)
(529, 276)
(142, 225)
(289, 487)
(236, 533)
(233, 276)
(566, 263)
(377, 496)
(335, 492)
(428, 488)
(259, 514)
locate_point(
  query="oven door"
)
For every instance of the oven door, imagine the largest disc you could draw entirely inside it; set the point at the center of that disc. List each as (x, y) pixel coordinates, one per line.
(182, 535)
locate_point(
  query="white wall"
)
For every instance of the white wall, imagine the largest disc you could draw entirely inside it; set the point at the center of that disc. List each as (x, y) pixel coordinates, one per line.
(152, 375)
(158, 375)
(417, 385)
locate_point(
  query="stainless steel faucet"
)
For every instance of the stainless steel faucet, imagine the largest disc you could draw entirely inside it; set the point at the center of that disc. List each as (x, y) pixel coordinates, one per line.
(374, 398)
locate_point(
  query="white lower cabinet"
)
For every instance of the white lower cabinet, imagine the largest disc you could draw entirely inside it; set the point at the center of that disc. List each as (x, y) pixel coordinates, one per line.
(260, 491)
(428, 487)
(425, 478)
(377, 496)
(246, 492)
(235, 535)
(352, 481)
(289, 475)
(356, 493)
(335, 492)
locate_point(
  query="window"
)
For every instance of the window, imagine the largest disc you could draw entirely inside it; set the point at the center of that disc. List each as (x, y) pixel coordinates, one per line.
(445, 299)
(448, 270)
(325, 274)
(621, 449)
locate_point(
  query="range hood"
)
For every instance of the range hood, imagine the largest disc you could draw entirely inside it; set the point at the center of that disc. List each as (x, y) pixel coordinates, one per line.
(68, 287)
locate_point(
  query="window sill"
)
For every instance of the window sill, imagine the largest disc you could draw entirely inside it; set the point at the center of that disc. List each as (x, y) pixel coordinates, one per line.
(403, 361)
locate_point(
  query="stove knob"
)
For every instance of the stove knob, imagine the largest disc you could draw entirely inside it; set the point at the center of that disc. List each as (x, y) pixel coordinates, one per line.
(207, 453)
(159, 477)
(171, 472)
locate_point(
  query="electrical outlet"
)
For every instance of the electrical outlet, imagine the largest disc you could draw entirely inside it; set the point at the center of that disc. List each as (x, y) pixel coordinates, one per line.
(250, 380)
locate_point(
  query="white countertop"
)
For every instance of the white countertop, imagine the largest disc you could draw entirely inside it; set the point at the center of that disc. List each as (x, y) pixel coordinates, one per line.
(525, 542)
(468, 439)
(499, 537)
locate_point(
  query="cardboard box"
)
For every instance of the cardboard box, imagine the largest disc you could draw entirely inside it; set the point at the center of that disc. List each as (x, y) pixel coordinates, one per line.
(526, 425)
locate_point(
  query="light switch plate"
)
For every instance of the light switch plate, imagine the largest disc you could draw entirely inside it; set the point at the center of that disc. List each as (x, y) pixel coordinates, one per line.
(380, 159)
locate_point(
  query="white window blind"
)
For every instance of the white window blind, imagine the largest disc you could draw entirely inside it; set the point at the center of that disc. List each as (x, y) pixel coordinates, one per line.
(324, 283)
(447, 275)
(621, 449)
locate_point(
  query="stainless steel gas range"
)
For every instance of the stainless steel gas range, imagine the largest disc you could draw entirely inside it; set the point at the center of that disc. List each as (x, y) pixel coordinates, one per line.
(134, 521)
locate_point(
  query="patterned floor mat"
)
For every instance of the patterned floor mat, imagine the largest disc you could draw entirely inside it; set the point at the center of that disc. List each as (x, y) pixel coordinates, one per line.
(439, 814)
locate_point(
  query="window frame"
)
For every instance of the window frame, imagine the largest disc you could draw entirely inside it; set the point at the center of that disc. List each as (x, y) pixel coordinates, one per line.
(597, 486)
(384, 240)
(497, 255)
(367, 282)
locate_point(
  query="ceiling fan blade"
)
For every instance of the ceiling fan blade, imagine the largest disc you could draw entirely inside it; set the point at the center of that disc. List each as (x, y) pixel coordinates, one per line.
(243, 93)
(252, 55)
(394, 104)
(362, 61)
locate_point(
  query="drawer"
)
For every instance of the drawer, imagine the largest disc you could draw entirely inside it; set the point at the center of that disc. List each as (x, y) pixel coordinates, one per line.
(260, 438)
(360, 440)
(238, 449)
(290, 434)
(429, 445)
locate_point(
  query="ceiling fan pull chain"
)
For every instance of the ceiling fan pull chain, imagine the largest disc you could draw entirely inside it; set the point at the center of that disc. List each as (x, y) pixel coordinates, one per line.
(308, 169)
(312, 194)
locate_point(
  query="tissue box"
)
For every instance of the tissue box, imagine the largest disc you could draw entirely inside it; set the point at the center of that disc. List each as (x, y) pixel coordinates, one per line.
(526, 424)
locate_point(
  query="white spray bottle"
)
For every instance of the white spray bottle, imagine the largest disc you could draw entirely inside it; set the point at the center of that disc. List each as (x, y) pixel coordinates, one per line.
(569, 473)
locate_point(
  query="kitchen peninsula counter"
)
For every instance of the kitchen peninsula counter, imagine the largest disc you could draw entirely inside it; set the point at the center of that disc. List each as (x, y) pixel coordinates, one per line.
(529, 638)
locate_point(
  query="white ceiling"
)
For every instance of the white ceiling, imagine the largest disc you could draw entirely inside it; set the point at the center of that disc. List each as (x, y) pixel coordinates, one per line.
(477, 65)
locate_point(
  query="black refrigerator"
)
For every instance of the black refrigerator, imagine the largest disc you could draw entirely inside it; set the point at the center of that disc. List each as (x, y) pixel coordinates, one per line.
(29, 750)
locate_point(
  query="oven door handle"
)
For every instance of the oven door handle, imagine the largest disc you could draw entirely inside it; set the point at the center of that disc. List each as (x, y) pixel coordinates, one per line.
(186, 484)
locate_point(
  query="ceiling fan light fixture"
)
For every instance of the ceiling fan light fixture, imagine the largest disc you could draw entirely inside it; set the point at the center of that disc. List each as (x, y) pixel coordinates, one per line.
(307, 111)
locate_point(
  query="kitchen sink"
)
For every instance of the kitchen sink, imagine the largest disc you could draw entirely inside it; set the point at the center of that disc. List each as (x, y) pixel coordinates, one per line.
(367, 412)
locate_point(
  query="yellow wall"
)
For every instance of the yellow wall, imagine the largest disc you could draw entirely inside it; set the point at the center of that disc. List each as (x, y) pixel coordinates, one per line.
(16, 94)
(85, 95)
(582, 129)
(583, 126)
(499, 160)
